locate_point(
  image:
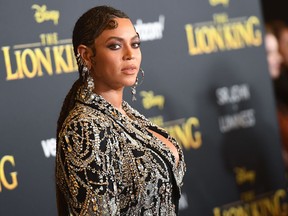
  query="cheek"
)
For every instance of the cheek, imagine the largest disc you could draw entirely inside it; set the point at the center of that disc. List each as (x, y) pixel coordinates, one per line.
(106, 61)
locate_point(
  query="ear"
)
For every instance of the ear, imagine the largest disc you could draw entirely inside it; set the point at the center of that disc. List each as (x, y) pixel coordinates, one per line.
(86, 54)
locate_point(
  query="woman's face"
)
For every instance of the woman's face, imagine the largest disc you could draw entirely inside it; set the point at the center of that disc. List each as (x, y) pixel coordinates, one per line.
(118, 57)
(273, 56)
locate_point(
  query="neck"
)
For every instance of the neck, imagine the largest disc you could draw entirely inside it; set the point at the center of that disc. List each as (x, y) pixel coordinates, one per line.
(115, 97)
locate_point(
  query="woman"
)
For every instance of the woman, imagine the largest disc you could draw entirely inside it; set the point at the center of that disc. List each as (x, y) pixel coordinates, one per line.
(278, 72)
(274, 57)
(110, 159)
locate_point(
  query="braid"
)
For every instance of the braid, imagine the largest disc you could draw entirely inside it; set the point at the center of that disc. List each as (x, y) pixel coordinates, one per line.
(69, 103)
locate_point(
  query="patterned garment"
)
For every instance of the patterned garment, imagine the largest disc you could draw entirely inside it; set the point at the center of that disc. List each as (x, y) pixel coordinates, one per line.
(108, 163)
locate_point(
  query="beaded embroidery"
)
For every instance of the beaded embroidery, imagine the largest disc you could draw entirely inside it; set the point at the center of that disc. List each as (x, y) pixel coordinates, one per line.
(110, 164)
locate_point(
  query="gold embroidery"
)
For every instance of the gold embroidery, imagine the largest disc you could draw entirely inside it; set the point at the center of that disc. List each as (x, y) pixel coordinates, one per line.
(110, 164)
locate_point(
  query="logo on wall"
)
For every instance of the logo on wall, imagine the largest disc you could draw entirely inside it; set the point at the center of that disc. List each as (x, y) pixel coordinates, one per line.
(49, 147)
(246, 180)
(7, 180)
(42, 14)
(185, 131)
(223, 33)
(48, 56)
(150, 100)
(230, 100)
(271, 204)
(151, 30)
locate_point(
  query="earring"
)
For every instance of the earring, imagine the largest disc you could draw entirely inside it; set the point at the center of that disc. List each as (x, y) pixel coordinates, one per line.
(78, 57)
(133, 88)
(142, 74)
(85, 73)
(90, 83)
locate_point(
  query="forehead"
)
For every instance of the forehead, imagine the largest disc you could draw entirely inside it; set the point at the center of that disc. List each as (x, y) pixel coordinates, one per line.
(124, 30)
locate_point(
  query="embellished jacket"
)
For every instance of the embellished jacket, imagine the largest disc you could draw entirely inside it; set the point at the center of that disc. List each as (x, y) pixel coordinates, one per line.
(108, 163)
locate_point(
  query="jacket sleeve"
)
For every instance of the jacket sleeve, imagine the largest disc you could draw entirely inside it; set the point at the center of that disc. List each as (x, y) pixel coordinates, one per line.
(89, 166)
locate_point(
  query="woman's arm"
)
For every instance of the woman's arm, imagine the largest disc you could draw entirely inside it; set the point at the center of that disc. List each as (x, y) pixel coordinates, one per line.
(87, 154)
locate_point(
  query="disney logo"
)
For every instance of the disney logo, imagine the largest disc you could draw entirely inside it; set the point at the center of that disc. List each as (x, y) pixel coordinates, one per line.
(243, 175)
(150, 100)
(42, 14)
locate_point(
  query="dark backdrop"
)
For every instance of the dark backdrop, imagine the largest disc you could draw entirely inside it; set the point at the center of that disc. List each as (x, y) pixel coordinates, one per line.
(206, 82)
(276, 9)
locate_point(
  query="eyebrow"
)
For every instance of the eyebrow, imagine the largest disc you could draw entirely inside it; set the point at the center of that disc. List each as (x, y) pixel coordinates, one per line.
(121, 39)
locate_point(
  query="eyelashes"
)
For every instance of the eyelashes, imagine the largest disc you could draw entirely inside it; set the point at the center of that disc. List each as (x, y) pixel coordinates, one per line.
(136, 44)
(116, 46)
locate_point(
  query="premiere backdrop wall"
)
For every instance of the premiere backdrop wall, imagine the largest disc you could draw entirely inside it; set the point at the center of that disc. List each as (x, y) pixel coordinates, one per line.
(206, 82)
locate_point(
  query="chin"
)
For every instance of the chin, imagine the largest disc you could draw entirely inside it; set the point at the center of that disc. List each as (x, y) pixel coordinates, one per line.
(131, 82)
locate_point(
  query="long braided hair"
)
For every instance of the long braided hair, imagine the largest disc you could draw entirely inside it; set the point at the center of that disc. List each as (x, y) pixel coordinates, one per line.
(87, 28)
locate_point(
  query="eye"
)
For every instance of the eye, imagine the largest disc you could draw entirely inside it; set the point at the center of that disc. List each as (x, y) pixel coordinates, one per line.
(114, 46)
(136, 44)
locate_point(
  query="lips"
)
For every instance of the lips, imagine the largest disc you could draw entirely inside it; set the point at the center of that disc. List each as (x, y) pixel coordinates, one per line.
(131, 69)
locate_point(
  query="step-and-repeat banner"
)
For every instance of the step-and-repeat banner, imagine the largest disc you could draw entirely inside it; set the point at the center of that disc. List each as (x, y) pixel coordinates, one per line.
(206, 82)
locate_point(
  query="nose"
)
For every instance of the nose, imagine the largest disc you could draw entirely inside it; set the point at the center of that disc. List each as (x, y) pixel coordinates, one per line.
(128, 54)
